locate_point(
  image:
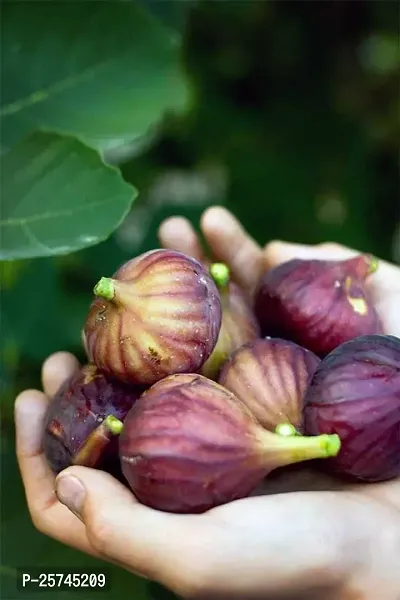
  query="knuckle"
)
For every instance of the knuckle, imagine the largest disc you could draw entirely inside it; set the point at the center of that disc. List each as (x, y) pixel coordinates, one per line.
(272, 246)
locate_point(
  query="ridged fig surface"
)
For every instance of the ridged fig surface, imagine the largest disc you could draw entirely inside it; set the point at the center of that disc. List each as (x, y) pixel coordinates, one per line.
(239, 326)
(355, 393)
(318, 304)
(271, 376)
(77, 411)
(164, 318)
(188, 444)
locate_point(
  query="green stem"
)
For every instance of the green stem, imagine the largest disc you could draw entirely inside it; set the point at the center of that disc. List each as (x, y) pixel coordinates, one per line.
(373, 264)
(113, 424)
(285, 429)
(279, 451)
(220, 274)
(104, 288)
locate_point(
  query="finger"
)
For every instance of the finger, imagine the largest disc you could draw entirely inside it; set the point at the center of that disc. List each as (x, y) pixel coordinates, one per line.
(178, 234)
(121, 529)
(230, 243)
(277, 252)
(56, 369)
(48, 515)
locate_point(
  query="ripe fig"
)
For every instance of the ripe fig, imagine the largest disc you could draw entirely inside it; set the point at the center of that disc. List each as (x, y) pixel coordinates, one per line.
(318, 304)
(238, 326)
(159, 314)
(188, 444)
(271, 376)
(83, 417)
(355, 392)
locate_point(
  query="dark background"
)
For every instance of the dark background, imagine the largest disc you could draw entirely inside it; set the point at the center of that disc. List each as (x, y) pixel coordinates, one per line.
(293, 125)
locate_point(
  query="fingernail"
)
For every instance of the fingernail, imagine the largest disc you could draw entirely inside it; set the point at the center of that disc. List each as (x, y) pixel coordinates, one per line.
(71, 492)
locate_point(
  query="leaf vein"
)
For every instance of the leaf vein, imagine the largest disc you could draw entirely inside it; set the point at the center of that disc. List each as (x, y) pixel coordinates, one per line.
(56, 88)
(32, 238)
(53, 215)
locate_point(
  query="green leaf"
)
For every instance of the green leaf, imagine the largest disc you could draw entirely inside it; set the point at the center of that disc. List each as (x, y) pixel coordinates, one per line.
(58, 197)
(102, 71)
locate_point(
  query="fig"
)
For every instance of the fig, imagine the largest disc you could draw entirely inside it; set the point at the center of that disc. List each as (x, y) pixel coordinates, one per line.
(271, 376)
(355, 393)
(188, 444)
(238, 325)
(158, 315)
(318, 304)
(84, 417)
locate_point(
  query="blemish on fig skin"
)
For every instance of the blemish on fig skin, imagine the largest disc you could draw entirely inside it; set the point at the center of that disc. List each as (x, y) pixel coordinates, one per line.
(101, 313)
(154, 355)
(55, 428)
(91, 372)
(132, 459)
(358, 303)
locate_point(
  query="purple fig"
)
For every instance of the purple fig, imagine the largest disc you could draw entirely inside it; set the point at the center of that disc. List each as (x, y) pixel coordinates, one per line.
(188, 444)
(84, 417)
(355, 392)
(159, 314)
(238, 326)
(318, 304)
(271, 376)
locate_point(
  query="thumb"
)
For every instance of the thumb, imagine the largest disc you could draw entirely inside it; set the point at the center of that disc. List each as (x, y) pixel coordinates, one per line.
(120, 528)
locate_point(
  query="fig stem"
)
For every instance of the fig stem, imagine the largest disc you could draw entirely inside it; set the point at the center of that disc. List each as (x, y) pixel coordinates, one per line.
(104, 288)
(220, 274)
(373, 264)
(113, 424)
(279, 451)
(333, 444)
(285, 429)
(91, 451)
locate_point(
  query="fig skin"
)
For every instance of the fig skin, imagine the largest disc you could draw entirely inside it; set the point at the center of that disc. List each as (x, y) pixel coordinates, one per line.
(318, 304)
(159, 314)
(355, 392)
(75, 426)
(239, 324)
(188, 445)
(271, 376)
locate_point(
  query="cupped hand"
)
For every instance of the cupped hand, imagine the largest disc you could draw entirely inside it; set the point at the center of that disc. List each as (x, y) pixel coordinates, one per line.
(339, 544)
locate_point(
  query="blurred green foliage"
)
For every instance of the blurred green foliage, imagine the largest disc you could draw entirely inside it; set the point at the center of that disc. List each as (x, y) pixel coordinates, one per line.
(289, 116)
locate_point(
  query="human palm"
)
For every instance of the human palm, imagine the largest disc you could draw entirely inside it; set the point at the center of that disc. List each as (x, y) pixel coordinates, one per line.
(313, 543)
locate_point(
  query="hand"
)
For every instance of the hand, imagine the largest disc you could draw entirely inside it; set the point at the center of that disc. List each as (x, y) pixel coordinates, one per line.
(337, 544)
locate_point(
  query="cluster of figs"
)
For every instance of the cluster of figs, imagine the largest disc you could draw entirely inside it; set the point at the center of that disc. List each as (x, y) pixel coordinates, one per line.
(193, 394)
